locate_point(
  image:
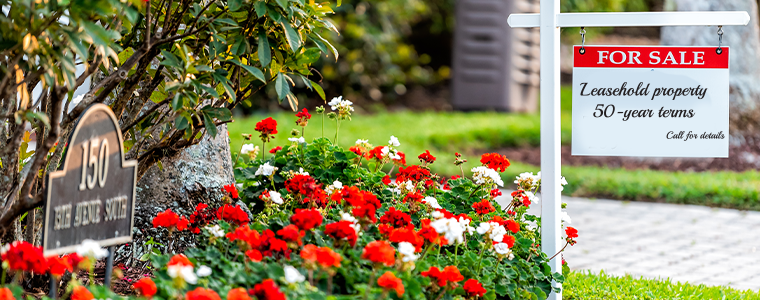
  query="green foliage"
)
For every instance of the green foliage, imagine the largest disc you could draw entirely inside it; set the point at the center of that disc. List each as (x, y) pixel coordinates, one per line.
(587, 285)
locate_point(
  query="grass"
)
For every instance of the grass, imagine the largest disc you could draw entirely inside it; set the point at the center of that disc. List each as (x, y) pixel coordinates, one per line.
(586, 285)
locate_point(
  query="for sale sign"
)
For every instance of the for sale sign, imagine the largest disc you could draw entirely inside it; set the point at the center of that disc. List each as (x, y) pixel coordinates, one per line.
(92, 196)
(650, 101)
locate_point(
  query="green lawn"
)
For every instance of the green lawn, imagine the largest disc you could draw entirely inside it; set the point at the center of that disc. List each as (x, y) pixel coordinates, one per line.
(586, 285)
(471, 133)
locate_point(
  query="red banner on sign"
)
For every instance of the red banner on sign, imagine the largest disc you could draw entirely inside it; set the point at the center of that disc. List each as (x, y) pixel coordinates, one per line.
(650, 57)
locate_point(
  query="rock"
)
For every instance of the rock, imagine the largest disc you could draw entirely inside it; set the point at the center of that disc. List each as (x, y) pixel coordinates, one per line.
(196, 175)
(744, 90)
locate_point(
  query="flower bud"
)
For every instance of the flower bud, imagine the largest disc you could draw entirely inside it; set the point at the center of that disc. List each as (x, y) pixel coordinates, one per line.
(295, 132)
(320, 109)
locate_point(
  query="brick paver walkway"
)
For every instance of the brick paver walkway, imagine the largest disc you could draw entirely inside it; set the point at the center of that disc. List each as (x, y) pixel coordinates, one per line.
(685, 243)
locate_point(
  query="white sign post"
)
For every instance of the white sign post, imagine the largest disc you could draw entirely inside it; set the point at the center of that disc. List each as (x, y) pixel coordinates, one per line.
(650, 101)
(550, 20)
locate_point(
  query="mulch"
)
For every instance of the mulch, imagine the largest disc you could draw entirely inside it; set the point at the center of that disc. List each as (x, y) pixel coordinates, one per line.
(739, 159)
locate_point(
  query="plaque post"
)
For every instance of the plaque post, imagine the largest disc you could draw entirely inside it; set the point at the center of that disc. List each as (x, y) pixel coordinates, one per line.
(109, 267)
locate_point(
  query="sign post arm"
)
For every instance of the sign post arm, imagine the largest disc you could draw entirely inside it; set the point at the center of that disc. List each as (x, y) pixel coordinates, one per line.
(635, 19)
(550, 135)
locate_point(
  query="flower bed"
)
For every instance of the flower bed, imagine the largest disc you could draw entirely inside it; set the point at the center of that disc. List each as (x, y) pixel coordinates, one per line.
(327, 222)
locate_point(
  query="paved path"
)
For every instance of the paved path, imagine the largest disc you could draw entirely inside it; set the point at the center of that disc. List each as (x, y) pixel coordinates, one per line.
(685, 243)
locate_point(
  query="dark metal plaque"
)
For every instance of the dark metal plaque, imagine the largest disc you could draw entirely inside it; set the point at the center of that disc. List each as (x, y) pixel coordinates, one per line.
(92, 196)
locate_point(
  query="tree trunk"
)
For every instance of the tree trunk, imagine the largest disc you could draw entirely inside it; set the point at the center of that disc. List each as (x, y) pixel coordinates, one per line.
(196, 175)
(744, 80)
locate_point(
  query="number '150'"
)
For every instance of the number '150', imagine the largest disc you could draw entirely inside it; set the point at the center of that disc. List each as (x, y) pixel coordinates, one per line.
(95, 156)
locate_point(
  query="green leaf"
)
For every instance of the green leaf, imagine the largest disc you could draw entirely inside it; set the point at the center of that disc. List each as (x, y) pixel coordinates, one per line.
(181, 122)
(265, 53)
(281, 86)
(251, 69)
(170, 60)
(283, 4)
(39, 116)
(124, 55)
(220, 113)
(309, 56)
(229, 90)
(234, 5)
(261, 8)
(294, 40)
(318, 89)
(209, 124)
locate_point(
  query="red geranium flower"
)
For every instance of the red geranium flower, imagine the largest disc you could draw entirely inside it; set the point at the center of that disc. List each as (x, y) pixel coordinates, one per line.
(266, 128)
(251, 237)
(413, 173)
(495, 161)
(322, 256)
(449, 274)
(170, 220)
(179, 260)
(303, 118)
(401, 160)
(232, 189)
(23, 256)
(59, 265)
(82, 293)
(306, 219)
(291, 233)
(474, 288)
(380, 252)
(342, 230)
(202, 294)
(495, 193)
(426, 157)
(6, 294)
(77, 262)
(396, 218)
(254, 255)
(483, 207)
(413, 198)
(407, 234)
(509, 240)
(238, 294)
(430, 234)
(232, 214)
(275, 149)
(512, 226)
(387, 180)
(571, 232)
(388, 281)
(267, 290)
(200, 218)
(145, 287)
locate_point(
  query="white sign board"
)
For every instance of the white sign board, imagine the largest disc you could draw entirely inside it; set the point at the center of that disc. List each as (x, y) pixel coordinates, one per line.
(650, 101)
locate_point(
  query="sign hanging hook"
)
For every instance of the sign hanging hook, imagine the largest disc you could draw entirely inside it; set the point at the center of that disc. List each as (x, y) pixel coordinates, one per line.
(720, 40)
(583, 41)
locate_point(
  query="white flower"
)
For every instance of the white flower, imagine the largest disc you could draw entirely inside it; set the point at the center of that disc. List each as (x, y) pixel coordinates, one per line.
(90, 248)
(215, 230)
(362, 142)
(394, 155)
(432, 202)
(292, 275)
(562, 183)
(297, 140)
(407, 250)
(485, 175)
(338, 103)
(384, 151)
(184, 272)
(275, 197)
(436, 215)
(247, 148)
(497, 232)
(266, 169)
(452, 230)
(565, 217)
(503, 249)
(483, 228)
(394, 142)
(335, 186)
(301, 172)
(203, 271)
